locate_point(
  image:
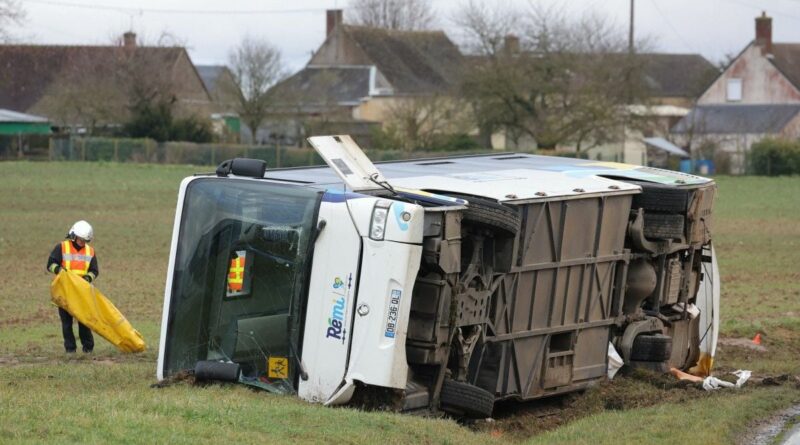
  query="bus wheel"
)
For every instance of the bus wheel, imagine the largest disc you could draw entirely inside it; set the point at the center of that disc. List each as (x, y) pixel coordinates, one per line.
(463, 399)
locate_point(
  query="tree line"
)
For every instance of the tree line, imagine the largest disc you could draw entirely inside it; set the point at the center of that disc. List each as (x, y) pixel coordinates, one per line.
(534, 74)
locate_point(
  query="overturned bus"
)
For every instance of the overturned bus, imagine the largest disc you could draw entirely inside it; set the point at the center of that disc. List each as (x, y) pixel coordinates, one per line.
(455, 282)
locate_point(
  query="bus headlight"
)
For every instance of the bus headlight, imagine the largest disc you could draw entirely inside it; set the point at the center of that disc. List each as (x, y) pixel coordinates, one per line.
(380, 213)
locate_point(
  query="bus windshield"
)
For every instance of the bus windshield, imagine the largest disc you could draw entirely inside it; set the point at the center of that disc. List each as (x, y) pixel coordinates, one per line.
(240, 270)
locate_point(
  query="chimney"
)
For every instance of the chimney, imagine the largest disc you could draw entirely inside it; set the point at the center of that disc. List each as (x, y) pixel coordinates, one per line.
(333, 19)
(511, 44)
(764, 33)
(129, 39)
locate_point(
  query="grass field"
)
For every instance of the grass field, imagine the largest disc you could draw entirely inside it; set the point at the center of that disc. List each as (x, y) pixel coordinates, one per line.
(47, 397)
(757, 232)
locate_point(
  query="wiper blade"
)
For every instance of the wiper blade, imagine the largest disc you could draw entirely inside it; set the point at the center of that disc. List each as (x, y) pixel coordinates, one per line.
(300, 365)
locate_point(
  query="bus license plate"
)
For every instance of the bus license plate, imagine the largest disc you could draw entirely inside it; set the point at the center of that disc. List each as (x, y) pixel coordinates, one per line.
(392, 314)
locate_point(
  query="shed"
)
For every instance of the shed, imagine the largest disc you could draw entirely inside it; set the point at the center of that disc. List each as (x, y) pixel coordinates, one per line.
(15, 123)
(19, 132)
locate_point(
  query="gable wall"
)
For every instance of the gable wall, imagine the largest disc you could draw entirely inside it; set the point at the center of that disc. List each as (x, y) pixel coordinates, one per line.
(226, 93)
(339, 49)
(762, 83)
(189, 89)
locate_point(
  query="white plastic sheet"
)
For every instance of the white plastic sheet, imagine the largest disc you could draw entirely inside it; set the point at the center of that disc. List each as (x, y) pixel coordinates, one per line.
(712, 383)
(614, 361)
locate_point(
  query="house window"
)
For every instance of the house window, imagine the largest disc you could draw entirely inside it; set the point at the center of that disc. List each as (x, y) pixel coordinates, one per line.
(734, 90)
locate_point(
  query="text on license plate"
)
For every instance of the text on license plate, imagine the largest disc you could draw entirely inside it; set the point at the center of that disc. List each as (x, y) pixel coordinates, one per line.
(392, 314)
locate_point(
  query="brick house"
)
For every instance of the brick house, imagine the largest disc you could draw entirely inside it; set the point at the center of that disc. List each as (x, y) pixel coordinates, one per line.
(359, 77)
(756, 96)
(88, 88)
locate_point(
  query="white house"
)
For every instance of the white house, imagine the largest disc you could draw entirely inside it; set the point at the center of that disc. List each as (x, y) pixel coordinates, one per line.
(756, 96)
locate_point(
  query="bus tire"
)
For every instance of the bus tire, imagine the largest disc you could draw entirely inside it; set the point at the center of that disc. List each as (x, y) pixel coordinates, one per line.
(651, 348)
(463, 399)
(491, 213)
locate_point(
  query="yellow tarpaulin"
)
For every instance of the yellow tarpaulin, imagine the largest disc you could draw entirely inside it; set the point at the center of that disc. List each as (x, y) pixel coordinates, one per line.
(90, 307)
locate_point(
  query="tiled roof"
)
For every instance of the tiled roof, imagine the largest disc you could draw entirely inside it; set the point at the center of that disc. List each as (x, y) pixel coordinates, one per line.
(677, 75)
(412, 61)
(662, 74)
(27, 71)
(786, 57)
(737, 119)
(210, 74)
(323, 87)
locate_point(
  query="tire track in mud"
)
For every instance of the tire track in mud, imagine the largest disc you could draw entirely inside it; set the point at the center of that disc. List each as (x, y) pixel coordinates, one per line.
(635, 389)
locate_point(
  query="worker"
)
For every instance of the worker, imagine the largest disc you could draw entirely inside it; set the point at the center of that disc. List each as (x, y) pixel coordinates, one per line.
(77, 256)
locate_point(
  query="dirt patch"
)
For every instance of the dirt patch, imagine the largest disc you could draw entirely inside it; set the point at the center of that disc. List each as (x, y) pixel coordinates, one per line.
(744, 343)
(78, 357)
(183, 377)
(374, 398)
(42, 315)
(8, 361)
(632, 389)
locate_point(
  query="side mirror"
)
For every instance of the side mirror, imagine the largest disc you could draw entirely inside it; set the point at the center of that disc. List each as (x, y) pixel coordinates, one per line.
(252, 168)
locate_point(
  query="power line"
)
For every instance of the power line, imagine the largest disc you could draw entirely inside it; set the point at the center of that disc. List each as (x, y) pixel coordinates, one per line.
(674, 30)
(129, 10)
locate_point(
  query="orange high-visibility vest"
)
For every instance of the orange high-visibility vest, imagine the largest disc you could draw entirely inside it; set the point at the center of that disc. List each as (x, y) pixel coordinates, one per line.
(77, 261)
(236, 274)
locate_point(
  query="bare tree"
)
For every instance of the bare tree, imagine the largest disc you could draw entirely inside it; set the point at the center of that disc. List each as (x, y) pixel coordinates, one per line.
(486, 28)
(407, 15)
(80, 101)
(124, 81)
(420, 122)
(540, 75)
(127, 85)
(11, 13)
(256, 66)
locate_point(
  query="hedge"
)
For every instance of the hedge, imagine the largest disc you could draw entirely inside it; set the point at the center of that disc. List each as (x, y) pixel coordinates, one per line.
(775, 157)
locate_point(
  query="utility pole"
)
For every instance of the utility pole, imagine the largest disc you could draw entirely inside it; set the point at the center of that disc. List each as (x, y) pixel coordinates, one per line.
(630, 31)
(629, 85)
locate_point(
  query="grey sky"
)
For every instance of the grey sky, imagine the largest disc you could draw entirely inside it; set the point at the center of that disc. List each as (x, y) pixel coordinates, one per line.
(712, 28)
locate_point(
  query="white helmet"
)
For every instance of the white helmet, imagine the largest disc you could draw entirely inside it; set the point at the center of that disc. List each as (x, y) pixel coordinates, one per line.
(81, 229)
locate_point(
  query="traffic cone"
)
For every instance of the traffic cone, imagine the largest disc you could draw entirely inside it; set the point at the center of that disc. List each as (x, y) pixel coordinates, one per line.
(757, 339)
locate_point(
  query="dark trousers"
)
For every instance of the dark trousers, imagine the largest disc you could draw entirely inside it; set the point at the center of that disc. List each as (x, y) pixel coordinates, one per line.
(87, 340)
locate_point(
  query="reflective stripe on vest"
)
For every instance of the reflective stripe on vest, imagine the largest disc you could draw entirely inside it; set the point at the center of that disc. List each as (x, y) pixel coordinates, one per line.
(236, 274)
(76, 261)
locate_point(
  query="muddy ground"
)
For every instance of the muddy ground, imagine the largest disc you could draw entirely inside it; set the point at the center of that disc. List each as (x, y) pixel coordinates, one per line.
(632, 389)
(779, 428)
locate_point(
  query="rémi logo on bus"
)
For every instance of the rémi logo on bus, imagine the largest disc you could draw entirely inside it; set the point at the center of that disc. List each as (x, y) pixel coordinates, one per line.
(336, 320)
